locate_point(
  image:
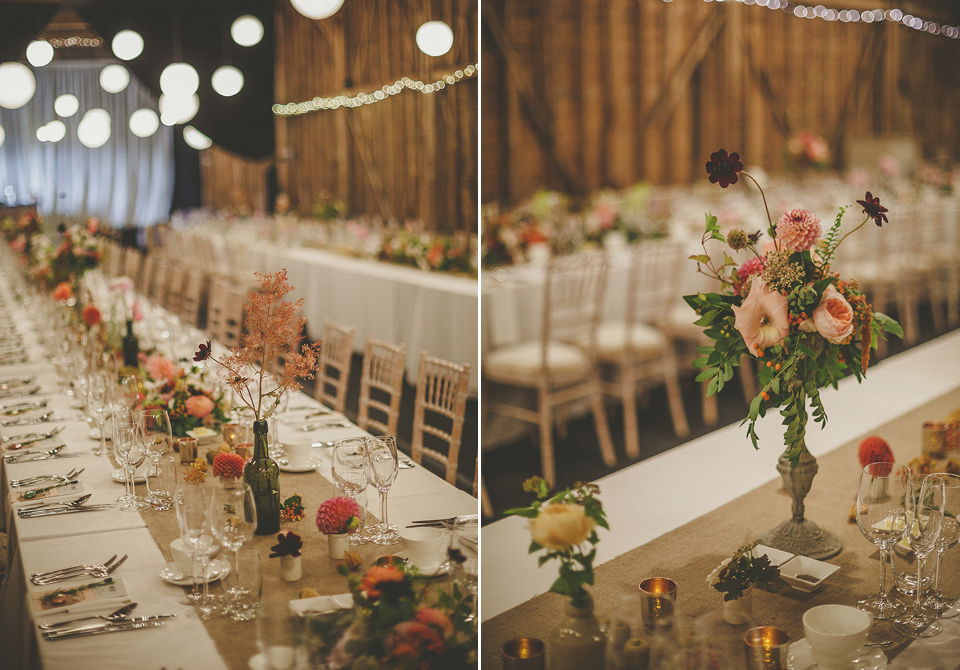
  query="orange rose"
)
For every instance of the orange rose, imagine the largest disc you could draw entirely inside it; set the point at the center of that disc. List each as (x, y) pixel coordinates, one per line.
(63, 292)
(378, 575)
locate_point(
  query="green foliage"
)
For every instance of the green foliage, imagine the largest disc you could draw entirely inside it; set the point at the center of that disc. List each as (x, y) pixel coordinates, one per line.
(830, 241)
(743, 571)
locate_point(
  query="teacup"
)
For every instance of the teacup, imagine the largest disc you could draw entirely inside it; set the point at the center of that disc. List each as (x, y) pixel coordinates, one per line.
(423, 546)
(836, 634)
(298, 452)
(181, 557)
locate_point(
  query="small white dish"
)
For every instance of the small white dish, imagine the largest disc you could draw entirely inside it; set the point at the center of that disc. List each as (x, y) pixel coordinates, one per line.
(777, 556)
(286, 466)
(819, 571)
(799, 657)
(320, 604)
(438, 567)
(217, 569)
(203, 435)
(139, 475)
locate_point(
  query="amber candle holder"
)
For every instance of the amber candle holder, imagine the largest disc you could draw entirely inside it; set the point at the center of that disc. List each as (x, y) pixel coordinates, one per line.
(231, 433)
(766, 647)
(935, 439)
(523, 653)
(187, 446)
(659, 596)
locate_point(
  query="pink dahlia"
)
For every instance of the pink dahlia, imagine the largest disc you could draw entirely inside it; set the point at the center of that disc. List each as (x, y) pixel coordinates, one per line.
(798, 230)
(159, 367)
(749, 268)
(338, 515)
(228, 464)
(199, 406)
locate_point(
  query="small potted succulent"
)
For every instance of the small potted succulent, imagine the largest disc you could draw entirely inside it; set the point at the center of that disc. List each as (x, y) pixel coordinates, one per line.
(287, 549)
(337, 518)
(735, 578)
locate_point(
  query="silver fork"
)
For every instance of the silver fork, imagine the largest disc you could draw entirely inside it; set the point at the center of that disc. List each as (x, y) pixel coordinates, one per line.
(20, 441)
(30, 456)
(26, 422)
(30, 481)
(91, 570)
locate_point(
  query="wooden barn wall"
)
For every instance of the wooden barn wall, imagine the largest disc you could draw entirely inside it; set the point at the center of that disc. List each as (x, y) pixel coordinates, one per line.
(413, 156)
(585, 94)
(233, 183)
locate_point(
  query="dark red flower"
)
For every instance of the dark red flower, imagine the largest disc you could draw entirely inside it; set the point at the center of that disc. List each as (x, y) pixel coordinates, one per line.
(873, 208)
(723, 168)
(203, 353)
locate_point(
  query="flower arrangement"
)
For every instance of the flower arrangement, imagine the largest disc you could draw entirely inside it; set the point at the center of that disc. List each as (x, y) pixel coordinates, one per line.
(427, 251)
(741, 571)
(565, 526)
(228, 464)
(806, 149)
(77, 252)
(328, 208)
(272, 331)
(338, 515)
(786, 309)
(186, 395)
(288, 544)
(293, 509)
(196, 472)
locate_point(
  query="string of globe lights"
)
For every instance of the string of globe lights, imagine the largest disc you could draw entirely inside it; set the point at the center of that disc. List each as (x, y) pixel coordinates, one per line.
(854, 16)
(387, 91)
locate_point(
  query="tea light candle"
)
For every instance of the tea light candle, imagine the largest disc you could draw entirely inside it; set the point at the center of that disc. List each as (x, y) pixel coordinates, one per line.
(523, 653)
(934, 438)
(766, 648)
(187, 447)
(659, 597)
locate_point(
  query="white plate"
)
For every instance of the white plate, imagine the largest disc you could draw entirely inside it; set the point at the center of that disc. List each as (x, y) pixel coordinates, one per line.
(139, 475)
(309, 467)
(799, 657)
(203, 439)
(215, 570)
(342, 601)
(259, 661)
(438, 567)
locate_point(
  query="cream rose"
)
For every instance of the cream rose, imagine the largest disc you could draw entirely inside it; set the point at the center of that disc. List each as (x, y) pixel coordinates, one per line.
(560, 526)
(833, 317)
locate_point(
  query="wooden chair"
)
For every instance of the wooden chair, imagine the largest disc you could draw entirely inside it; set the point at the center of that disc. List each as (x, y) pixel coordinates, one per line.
(173, 291)
(333, 368)
(193, 301)
(132, 264)
(382, 373)
(113, 263)
(225, 310)
(638, 349)
(148, 271)
(442, 389)
(158, 278)
(561, 366)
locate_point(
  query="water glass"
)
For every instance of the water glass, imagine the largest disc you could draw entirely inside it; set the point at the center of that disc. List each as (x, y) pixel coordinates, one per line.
(248, 585)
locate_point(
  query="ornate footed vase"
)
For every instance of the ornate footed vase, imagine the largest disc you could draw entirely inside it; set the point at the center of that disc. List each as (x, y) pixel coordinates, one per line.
(799, 535)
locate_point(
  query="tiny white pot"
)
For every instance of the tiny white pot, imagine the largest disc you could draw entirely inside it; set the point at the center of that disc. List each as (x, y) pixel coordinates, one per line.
(338, 545)
(291, 568)
(739, 611)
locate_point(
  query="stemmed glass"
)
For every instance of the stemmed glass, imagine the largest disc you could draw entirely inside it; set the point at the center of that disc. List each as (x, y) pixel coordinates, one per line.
(883, 516)
(347, 469)
(130, 454)
(935, 603)
(192, 502)
(381, 466)
(464, 538)
(157, 435)
(927, 504)
(97, 403)
(233, 518)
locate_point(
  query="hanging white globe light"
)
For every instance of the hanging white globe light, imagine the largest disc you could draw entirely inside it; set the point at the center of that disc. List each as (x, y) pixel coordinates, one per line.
(317, 9)
(52, 132)
(94, 130)
(144, 122)
(66, 105)
(42, 133)
(179, 79)
(247, 30)
(17, 85)
(227, 80)
(195, 139)
(176, 109)
(3, 135)
(114, 78)
(39, 53)
(127, 45)
(434, 38)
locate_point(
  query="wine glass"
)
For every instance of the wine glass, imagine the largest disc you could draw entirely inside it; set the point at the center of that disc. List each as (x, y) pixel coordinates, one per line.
(935, 603)
(927, 503)
(347, 470)
(381, 466)
(883, 514)
(130, 454)
(157, 435)
(192, 502)
(466, 565)
(97, 403)
(233, 518)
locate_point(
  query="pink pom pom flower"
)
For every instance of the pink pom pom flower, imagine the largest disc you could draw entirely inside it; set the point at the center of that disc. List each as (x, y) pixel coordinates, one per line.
(199, 406)
(338, 515)
(798, 230)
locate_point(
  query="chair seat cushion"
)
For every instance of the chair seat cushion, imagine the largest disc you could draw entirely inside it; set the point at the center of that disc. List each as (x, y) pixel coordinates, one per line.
(523, 360)
(647, 341)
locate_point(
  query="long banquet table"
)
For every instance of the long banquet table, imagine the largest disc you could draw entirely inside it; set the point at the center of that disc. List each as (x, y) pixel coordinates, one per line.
(680, 513)
(38, 545)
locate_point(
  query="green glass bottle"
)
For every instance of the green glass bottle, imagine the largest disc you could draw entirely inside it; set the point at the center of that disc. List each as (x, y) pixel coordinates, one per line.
(131, 347)
(263, 476)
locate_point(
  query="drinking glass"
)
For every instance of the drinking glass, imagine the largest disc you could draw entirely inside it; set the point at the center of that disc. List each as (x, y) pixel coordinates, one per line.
(157, 436)
(97, 403)
(935, 603)
(927, 504)
(347, 470)
(465, 539)
(883, 516)
(130, 453)
(233, 518)
(192, 502)
(381, 466)
(278, 637)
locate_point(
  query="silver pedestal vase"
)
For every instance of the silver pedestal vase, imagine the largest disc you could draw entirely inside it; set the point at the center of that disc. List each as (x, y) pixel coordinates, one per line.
(799, 535)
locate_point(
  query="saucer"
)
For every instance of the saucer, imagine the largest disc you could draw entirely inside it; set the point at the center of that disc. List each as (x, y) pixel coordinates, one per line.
(306, 467)
(138, 474)
(94, 434)
(259, 661)
(438, 567)
(215, 570)
(800, 657)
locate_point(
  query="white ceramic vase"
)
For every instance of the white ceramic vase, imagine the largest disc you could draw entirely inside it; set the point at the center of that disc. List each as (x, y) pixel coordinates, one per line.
(739, 611)
(290, 568)
(338, 545)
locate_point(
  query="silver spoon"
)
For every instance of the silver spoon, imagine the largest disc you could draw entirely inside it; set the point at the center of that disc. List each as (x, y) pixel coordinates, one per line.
(113, 616)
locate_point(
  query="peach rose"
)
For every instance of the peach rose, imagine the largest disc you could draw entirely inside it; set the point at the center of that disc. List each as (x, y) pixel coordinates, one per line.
(376, 577)
(199, 406)
(833, 317)
(159, 367)
(436, 619)
(762, 319)
(560, 526)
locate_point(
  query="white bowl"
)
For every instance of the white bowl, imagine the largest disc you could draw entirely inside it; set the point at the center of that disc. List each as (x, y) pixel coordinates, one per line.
(777, 556)
(802, 565)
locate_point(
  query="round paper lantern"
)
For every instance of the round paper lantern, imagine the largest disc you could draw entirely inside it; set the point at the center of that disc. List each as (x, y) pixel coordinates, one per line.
(66, 105)
(434, 38)
(39, 53)
(17, 85)
(56, 131)
(3, 135)
(317, 9)
(176, 109)
(127, 45)
(114, 78)
(247, 30)
(227, 80)
(94, 130)
(196, 139)
(179, 79)
(144, 122)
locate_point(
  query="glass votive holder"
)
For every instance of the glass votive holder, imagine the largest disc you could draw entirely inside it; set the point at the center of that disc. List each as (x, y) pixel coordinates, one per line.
(231, 433)
(245, 450)
(766, 648)
(934, 439)
(523, 653)
(659, 599)
(187, 446)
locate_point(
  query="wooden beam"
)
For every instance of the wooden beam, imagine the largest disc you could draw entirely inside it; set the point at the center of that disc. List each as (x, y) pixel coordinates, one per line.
(762, 80)
(871, 53)
(369, 165)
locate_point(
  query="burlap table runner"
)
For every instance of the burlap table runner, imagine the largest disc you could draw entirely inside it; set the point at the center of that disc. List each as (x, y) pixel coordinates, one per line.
(689, 553)
(237, 641)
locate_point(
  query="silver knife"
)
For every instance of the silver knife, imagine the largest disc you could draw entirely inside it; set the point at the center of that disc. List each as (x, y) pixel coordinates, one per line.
(111, 628)
(100, 622)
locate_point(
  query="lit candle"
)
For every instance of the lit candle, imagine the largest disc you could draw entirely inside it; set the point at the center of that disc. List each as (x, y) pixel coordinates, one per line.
(659, 597)
(766, 648)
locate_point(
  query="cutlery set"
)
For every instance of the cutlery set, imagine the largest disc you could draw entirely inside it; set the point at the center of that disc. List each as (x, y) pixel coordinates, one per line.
(74, 506)
(461, 520)
(14, 442)
(97, 625)
(77, 571)
(306, 428)
(38, 479)
(30, 456)
(43, 418)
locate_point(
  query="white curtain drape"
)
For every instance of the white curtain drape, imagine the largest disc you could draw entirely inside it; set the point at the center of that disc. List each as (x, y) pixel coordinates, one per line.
(127, 181)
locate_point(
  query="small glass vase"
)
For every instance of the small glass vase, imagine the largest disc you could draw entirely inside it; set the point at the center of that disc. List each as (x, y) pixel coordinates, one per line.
(578, 642)
(338, 544)
(739, 611)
